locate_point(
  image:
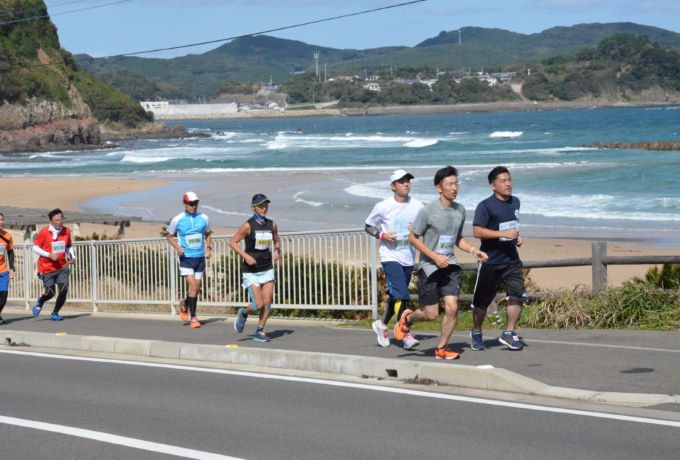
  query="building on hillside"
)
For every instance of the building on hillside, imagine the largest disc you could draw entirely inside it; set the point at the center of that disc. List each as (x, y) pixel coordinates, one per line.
(372, 86)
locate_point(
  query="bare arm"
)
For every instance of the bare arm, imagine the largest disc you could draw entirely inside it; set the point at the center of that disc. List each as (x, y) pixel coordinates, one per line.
(208, 245)
(463, 245)
(277, 242)
(242, 232)
(174, 244)
(440, 260)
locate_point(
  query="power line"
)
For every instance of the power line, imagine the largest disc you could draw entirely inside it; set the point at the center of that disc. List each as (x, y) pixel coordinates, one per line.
(278, 29)
(190, 45)
(63, 12)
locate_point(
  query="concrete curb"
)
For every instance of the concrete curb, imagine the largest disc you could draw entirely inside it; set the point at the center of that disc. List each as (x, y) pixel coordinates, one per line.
(482, 377)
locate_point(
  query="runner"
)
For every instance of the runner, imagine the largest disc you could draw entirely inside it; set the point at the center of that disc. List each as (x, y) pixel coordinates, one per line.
(6, 263)
(390, 221)
(53, 245)
(436, 230)
(193, 245)
(496, 224)
(261, 237)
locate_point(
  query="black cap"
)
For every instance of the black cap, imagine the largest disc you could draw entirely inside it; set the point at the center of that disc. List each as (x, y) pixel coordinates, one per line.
(259, 199)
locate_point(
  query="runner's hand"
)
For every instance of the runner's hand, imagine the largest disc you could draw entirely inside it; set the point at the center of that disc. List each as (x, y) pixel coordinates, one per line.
(208, 253)
(390, 237)
(480, 255)
(249, 260)
(519, 242)
(441, 260)
(53, 256)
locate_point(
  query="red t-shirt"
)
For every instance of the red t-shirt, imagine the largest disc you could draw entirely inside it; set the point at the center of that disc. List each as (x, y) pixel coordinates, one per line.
(60, 246)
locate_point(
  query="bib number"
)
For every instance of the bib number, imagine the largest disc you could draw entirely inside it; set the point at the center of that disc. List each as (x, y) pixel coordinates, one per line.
(445, 245)
(402, 241)
(510, 225)
(263, 240)
(194, 241)
(3, 249)
(58, 247)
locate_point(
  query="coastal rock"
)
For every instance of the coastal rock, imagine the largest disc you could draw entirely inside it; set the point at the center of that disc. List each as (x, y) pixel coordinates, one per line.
(654, 145)
(61, 134)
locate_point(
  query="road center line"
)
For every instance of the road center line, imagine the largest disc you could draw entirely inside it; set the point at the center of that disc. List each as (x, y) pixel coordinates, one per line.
(362, 386)
(115, 439)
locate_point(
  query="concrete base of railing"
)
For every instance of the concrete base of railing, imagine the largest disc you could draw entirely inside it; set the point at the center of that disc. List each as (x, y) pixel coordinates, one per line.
(484, 378)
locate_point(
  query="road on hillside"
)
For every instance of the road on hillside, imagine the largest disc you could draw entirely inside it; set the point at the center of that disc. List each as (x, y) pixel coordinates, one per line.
(136, 408)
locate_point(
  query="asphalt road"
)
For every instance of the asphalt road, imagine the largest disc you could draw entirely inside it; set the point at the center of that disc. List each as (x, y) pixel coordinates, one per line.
(599, 360)
(261, 417)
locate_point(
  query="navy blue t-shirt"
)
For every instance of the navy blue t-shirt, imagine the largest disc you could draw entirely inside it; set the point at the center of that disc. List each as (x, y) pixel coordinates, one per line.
(495, 214)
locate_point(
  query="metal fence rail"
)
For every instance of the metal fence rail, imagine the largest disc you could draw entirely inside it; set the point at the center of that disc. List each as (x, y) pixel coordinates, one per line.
(329, 270)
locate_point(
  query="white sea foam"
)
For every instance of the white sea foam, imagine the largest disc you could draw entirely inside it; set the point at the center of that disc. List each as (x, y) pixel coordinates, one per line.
(143, 160)
(222, 211)
(418, 143)
(298, 199)
(506, 134)
(224, 135)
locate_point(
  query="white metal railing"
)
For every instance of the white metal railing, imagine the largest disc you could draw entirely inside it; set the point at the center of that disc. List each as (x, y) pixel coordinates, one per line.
(324, 270)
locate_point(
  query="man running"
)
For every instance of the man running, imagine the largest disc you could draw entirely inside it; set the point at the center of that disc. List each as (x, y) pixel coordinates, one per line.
(496, 224)
(53, 245)
(6, 263)
(436, 230)
(193, 245)
(390, 221)
(261, 237)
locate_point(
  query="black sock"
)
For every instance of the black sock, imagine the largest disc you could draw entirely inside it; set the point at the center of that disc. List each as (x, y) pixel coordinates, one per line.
(191, 303)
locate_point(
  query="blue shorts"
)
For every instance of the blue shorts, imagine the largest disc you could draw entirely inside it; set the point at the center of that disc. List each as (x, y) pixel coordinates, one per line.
(398, 278)
(4, 281)
(192, 266)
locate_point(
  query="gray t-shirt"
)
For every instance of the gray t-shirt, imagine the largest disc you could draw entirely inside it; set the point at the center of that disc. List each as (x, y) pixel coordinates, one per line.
(439, 228)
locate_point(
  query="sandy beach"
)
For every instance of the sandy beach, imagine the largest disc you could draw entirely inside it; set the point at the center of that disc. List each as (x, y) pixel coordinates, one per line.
(69, 193)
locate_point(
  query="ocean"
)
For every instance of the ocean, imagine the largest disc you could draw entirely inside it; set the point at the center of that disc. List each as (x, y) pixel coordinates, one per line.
(326, 173)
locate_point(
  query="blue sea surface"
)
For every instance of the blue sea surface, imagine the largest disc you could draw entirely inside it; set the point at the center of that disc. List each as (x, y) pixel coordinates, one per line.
(565, 187)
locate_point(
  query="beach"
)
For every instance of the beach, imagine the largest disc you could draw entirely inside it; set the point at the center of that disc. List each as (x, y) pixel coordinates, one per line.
(70, 193)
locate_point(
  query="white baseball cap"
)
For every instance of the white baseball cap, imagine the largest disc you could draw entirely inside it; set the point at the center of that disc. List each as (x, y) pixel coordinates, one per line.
(189, 197)
(400, 174)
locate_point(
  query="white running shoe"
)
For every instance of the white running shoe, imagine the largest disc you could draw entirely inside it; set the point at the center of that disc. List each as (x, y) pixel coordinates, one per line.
(410, 341)
(382, 332)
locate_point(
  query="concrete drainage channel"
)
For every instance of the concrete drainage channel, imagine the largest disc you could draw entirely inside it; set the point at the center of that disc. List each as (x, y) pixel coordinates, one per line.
(482, 377)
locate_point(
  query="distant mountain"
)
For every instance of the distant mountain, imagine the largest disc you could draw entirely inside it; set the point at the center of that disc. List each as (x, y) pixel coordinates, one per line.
(262, 57)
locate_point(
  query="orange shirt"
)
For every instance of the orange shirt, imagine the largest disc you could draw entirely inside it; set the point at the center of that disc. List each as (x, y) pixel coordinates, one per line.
(60, 246)
(4, 247)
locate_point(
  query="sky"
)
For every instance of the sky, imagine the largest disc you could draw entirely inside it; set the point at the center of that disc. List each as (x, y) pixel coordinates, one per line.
(124, 26)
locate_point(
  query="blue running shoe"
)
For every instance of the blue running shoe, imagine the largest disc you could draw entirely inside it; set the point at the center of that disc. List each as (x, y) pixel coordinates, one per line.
(510, 340)
(241, 318)
(477, 341)
(36, 310)
(56, 317)
(261, 336)
(2, 321)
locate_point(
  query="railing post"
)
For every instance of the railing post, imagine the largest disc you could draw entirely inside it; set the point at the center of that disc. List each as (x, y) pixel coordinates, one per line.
(599, 268)
(93, 274)
(172, 268)
(374, 279)
(28, 268)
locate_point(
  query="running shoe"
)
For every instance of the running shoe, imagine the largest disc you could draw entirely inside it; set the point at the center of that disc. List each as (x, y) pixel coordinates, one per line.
(36, 310)
(382, 332)
(2, 321)
(183, 311)
(410, 341)
(261, 336)
(445, 353)
(56, 317)
(195, 323)
(401, 328)
(477, 341)
(510, 340)
(241, 318)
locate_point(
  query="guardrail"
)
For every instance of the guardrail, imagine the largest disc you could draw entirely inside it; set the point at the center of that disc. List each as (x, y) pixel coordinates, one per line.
(324, 270)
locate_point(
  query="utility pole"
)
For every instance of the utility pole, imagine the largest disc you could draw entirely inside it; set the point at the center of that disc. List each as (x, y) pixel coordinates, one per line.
(316, 63)
(460, 39)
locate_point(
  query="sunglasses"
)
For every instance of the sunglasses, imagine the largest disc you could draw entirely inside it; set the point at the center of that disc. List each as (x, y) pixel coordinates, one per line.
(191, 203)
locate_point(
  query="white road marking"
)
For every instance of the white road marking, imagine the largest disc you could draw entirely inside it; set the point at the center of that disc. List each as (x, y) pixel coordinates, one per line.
(115, 439)
(363, 386)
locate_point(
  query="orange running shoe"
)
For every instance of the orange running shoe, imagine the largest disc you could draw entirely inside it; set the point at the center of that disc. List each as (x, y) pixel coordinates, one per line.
(445, 353)
(183, 311)
(401, 329)
(195, 323)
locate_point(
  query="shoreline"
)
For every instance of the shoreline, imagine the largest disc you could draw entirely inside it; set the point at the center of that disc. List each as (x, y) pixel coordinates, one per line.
(71, 193)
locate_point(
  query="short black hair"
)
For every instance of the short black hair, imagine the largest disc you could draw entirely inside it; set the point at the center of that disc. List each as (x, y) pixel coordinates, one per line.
(2, 215)
(444, 173)
(54, 212)
(497, 171)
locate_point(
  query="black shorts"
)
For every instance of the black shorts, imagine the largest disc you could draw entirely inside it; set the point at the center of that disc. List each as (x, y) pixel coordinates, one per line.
(489, 279)
(443, 282)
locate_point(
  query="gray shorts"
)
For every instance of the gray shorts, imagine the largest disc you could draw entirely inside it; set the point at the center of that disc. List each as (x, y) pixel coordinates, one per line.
(60, 277)
(442, 283)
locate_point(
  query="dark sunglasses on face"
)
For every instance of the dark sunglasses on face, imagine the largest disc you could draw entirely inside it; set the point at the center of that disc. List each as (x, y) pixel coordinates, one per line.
(191, 203)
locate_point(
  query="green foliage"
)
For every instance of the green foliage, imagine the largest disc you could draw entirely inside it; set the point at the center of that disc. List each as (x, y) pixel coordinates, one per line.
(666, 278)
(135, 86)
(234, 87)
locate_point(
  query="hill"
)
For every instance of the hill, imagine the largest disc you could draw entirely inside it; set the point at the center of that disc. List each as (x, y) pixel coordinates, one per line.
(49, 102)
(262, 57)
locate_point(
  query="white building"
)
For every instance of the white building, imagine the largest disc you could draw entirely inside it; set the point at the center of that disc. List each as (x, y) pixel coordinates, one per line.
(372, 87)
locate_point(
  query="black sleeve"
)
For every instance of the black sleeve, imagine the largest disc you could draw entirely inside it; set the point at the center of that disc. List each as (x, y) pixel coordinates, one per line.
(10, 258)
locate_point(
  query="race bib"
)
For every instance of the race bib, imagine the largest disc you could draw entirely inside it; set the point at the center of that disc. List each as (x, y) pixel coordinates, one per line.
(58, 247)
(445, 245)
(3, 249)
(263, 240)
(510, 225)
(194, 241)
(402, 241)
